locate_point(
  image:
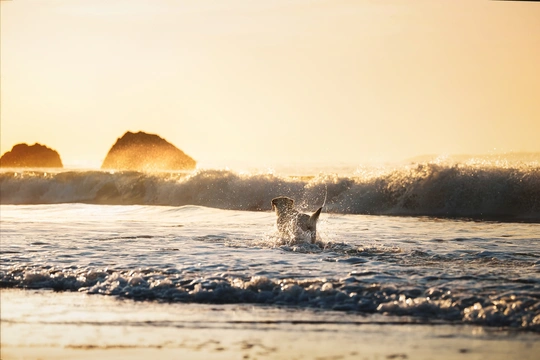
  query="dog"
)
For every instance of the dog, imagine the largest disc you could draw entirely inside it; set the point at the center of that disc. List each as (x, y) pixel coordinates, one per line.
(293, 224)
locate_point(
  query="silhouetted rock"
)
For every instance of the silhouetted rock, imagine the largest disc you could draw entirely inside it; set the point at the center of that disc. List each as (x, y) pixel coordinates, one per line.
(37, 155)
(142, 151)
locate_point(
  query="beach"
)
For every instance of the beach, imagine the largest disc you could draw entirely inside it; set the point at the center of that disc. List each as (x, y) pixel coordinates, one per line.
(286, 179)
(132, 264)
(41, 324)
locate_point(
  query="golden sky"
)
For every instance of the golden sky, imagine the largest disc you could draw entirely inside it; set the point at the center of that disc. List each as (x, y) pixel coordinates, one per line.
(272, 81)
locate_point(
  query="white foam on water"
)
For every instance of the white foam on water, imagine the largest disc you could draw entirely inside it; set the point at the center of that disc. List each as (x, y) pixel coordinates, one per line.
(431, 269)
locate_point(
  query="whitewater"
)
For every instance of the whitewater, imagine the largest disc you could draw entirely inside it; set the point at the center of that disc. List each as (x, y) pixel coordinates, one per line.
(428, 244)
(507, 192)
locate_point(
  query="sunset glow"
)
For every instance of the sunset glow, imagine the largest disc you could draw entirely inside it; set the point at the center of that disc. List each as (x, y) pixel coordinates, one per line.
(277, 179)
(272, 82)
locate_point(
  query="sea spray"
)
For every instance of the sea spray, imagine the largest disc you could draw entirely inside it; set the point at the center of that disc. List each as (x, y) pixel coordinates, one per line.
(432, 189)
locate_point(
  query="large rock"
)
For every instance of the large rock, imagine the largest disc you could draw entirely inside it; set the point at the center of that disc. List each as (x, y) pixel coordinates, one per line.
(37, 155)
(147, 152)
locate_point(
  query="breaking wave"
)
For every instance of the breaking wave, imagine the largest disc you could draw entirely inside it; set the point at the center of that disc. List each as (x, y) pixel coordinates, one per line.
(518, 309)
(428, 189)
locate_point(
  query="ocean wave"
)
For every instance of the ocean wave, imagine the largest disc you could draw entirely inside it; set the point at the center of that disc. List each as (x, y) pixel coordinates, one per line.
(518, 309)
(429, 189)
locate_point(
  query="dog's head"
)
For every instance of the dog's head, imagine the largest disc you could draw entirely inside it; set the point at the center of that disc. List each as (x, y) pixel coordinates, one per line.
(282, 203)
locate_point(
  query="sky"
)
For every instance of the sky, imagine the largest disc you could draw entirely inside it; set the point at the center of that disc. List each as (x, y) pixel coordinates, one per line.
(273, 81)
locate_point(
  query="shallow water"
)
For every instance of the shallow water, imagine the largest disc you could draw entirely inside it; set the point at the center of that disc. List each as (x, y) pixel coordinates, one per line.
(45, 324)
(426, 270)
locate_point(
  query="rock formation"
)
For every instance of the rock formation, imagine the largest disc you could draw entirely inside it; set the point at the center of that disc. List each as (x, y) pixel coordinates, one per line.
(147, 152)
(37, 155)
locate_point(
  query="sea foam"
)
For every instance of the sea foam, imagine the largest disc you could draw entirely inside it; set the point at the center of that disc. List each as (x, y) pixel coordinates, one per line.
(349, 294)
(429, 189)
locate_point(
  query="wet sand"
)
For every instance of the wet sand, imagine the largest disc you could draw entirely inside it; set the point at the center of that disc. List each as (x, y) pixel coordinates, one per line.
(47, 325)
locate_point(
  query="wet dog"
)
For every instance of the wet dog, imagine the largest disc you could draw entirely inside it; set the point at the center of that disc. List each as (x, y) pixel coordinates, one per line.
(293, 224)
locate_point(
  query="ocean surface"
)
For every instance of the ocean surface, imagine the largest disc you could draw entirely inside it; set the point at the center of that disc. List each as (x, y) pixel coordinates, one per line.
(427, 243)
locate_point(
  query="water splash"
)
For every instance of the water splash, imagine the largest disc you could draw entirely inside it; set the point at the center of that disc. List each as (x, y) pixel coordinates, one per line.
(476, 190)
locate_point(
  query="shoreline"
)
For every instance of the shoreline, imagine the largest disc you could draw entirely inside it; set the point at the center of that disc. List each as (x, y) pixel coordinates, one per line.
(51, 325)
